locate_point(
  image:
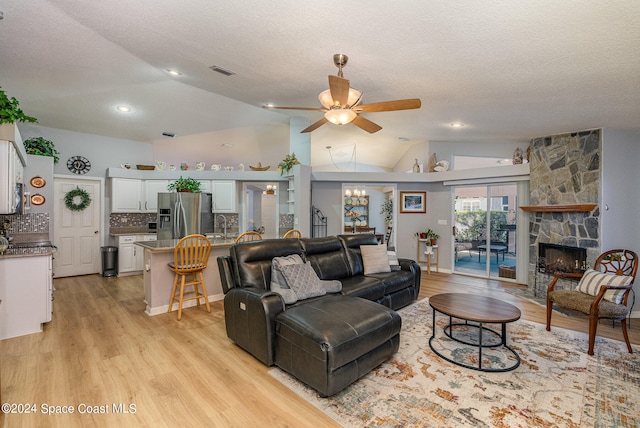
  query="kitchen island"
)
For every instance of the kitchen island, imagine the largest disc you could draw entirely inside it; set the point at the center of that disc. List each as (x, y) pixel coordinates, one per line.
(158, 278)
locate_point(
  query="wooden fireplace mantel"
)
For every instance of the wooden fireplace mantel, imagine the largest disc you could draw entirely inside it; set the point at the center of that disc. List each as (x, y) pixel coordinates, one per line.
(559, 208)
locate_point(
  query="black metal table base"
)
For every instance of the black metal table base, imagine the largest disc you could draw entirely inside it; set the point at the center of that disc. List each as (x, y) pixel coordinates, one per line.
(501, 342)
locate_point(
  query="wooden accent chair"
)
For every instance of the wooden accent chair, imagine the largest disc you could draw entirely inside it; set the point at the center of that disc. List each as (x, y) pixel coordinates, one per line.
(293, 233)
(249, 236)
(190, 258)
(602, 293)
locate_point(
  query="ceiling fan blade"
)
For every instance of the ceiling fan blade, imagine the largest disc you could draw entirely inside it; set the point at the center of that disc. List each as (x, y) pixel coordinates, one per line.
(339, 88)
(296, 108)
(366, 124)
(314, 126)
(389, 105)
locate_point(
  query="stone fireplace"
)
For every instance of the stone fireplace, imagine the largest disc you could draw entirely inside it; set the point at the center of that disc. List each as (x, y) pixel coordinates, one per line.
(565, 175)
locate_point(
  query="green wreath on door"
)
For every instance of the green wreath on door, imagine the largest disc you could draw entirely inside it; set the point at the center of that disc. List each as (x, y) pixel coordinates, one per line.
(70, 199)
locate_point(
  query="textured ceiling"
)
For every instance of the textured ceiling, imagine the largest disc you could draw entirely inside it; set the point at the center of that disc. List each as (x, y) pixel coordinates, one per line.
(509, 70)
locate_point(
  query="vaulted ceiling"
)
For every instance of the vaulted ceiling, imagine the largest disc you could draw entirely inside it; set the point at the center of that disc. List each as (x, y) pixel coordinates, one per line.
(507, 70)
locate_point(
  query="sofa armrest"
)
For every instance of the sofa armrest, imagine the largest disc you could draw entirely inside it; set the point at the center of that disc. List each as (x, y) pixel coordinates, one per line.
(413, 267)
(249, 315)
(226, 273)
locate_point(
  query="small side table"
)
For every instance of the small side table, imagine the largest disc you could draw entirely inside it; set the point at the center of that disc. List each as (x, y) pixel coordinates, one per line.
(434, 252)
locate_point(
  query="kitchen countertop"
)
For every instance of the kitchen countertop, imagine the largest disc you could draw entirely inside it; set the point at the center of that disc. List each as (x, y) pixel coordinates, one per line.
(27, 252)
(170, 244)
(124, 231)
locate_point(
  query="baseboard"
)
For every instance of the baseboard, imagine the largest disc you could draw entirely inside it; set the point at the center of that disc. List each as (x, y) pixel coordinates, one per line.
(163, 309)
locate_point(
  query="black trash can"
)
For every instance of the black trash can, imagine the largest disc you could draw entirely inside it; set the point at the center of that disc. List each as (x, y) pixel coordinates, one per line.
(109, 261)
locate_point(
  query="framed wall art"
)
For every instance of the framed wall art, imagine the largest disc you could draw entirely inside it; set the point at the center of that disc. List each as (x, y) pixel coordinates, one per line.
(413, 202)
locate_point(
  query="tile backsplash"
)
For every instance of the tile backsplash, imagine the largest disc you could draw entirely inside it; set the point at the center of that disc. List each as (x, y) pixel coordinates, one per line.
(131, 219)
(27, 223)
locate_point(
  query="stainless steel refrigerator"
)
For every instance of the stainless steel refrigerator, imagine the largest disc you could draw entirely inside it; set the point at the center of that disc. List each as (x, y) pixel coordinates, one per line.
(183, 213)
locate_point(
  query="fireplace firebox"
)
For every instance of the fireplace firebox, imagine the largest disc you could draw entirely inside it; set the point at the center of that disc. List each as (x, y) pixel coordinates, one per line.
(561, 258)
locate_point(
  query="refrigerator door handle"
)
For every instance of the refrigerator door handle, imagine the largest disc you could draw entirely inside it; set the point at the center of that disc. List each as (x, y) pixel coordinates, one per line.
(176, 220)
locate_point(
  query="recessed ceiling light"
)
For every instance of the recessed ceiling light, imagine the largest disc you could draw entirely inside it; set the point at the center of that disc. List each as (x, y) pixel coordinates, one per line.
(226, 145)
(123, 109)
(456, 125)
(174, 72)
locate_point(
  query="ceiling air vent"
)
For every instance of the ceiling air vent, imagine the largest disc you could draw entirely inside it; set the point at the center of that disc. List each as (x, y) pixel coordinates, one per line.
(221, 70)
(169, 134)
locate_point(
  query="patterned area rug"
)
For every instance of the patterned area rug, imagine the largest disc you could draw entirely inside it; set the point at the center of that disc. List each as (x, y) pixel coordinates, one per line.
(556, 385)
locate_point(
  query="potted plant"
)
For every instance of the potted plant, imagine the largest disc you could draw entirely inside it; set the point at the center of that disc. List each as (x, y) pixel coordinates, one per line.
(431, 235)
(387, 210)
(10, 111)
(287, 163)
(185, 185)
(41, 147)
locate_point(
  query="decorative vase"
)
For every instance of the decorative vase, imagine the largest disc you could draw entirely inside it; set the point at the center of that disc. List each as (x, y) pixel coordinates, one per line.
(416, 167)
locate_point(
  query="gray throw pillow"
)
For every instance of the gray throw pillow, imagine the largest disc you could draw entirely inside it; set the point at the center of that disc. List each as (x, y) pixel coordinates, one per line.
(278, 282)
(332, 286)
(303, 280)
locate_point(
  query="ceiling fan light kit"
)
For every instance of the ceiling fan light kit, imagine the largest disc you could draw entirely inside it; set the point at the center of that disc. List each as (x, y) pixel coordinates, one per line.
(342, 103)
(340, 116)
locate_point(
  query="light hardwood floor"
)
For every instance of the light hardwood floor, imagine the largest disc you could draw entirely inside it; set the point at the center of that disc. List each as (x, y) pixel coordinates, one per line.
(102, 350)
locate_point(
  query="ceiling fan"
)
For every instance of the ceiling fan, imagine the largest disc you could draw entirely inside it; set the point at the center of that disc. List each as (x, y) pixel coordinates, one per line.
(341, 103)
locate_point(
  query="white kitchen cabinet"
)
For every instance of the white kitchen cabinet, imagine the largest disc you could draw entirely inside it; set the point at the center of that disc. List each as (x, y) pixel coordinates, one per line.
(126, 195)
(151, 190)
(126, 254)
(11, 170)
(224, 196)
(25, 290)
(205, 186)
(131, 256)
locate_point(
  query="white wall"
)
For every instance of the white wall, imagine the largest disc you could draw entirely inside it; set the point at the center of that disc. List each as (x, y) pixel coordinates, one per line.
(102, 152)
(620, 204)
(250, 145)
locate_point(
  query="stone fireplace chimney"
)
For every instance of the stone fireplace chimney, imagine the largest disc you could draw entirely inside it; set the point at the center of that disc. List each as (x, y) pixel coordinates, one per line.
(565, 187)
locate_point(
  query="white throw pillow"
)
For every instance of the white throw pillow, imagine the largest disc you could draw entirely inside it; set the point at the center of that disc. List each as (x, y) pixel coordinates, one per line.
(375, 258)
(592, 280)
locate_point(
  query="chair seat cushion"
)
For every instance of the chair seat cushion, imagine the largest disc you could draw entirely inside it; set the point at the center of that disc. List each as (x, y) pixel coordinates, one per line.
(581, 302)
(172, 265)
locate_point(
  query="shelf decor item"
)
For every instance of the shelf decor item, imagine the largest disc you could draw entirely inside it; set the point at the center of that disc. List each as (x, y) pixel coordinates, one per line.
(260, 167)
(287, 163)
(185, 185)
(70, 199)
(41, 147)
(10, 111)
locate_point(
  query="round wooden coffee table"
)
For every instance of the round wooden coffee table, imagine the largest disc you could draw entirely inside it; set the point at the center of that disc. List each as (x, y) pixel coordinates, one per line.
(475, 311)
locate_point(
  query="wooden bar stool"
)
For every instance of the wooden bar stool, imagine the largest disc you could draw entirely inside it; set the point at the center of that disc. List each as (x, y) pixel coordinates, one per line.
(190, 258)
(248, 236)
(293, 233)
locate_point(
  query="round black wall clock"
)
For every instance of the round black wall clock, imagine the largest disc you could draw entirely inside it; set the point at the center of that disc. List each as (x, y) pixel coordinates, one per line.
(78, 165)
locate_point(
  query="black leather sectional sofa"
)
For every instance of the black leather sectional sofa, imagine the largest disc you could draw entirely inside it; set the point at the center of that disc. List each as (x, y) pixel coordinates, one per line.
(328, 341)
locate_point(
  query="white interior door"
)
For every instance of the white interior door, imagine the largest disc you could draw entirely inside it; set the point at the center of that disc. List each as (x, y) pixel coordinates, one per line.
(77, 233)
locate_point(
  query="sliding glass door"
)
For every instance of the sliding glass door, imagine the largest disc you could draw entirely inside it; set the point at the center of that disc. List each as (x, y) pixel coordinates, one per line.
(485, 230)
